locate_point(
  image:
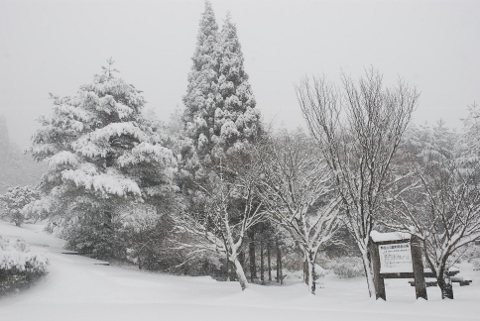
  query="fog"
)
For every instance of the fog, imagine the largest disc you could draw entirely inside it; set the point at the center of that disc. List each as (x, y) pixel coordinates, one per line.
(56, 46)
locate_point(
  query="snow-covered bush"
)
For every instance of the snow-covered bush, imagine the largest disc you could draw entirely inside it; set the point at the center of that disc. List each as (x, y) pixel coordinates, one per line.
(15, 200)
(142, 232)
(347, 267)
(18, 266)
(476, 264)
(320, 272)
(96, 235)
(469, 252)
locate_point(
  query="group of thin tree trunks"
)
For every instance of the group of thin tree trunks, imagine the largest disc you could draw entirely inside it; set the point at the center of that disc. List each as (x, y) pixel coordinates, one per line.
(267, 249)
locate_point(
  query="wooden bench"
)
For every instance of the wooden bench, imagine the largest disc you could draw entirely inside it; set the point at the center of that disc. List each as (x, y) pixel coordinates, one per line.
(459, 280)
(427, 283)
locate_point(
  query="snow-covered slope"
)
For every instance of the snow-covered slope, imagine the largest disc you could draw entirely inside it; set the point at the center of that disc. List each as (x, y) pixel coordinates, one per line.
(78, 289)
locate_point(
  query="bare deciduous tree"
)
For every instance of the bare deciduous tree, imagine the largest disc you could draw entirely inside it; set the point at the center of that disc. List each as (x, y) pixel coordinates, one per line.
(297, 191)
(441, 208)
(230, 209)
(358, 128)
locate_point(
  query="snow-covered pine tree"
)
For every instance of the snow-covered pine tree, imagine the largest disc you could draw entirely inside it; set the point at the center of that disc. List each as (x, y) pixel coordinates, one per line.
(220, 119)
(237, 121)
(202, 85)
(101, 154)
(220, 107)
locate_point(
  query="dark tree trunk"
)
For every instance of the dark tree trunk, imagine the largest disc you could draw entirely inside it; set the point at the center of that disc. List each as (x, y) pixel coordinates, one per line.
(305, 271)
(251, 252)
(279, 264)
(262, 264)
(269, 262)
(228, 269)
(311, 272)
(241, 258)
(378, 280)
(418, 271)
(445, 285)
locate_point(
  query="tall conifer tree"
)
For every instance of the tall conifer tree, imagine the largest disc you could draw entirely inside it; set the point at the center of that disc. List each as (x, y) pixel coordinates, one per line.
(102, 155)
(237, 121)
(202, 85)
(220, 107)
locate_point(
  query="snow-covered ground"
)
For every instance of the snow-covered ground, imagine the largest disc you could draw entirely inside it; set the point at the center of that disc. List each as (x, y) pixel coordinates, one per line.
(78, 289)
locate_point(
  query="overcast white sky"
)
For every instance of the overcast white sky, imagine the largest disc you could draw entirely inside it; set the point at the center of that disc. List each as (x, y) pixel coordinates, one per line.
(56, 46)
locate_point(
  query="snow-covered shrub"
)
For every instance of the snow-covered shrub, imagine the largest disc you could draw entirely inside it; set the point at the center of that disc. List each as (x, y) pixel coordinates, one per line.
(346, 267)
(469, 253)
(18, 266)
(142, 232)
(15, 200)
(476, 263)
(38, 209)
(97, 236)
(319, 272)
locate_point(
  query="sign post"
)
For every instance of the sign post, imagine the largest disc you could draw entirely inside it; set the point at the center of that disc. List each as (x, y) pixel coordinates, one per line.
(397, 255)
(418, 274)
(377, 276)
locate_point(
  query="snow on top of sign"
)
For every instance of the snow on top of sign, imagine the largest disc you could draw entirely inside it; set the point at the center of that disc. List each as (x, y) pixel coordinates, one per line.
(391, 236)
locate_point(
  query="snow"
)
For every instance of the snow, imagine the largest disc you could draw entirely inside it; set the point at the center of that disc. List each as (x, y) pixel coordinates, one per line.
(77, 289)
(391, 236)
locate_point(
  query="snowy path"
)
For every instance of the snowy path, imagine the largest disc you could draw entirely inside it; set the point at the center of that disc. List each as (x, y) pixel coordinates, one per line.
(77, 289)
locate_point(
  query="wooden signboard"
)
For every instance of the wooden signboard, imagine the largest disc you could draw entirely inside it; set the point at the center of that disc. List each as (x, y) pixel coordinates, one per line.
(395, 258)
(397, 255)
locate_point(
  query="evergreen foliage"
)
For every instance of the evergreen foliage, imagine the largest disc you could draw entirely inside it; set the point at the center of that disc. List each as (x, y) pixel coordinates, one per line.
(202, 85)
(101, 153)
(237, 121)
(15, 201)
(18, 266)
(220, 107)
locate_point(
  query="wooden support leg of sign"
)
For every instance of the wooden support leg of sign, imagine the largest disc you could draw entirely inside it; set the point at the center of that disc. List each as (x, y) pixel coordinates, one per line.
(378, 278)
(418, 272)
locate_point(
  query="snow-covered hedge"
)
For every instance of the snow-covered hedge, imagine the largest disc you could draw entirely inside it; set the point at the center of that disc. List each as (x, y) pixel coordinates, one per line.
(347, 267)
(18, 266)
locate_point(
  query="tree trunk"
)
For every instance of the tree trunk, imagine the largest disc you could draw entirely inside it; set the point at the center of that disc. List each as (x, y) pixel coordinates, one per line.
(228, 268)
(251, 253)
(305, 268)
(262, 263)
(367, 265)
(311, 272)
(445, 285)
(242, 279)
(269, 263)
(378, 279)
(241, 258)
(279, 264)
